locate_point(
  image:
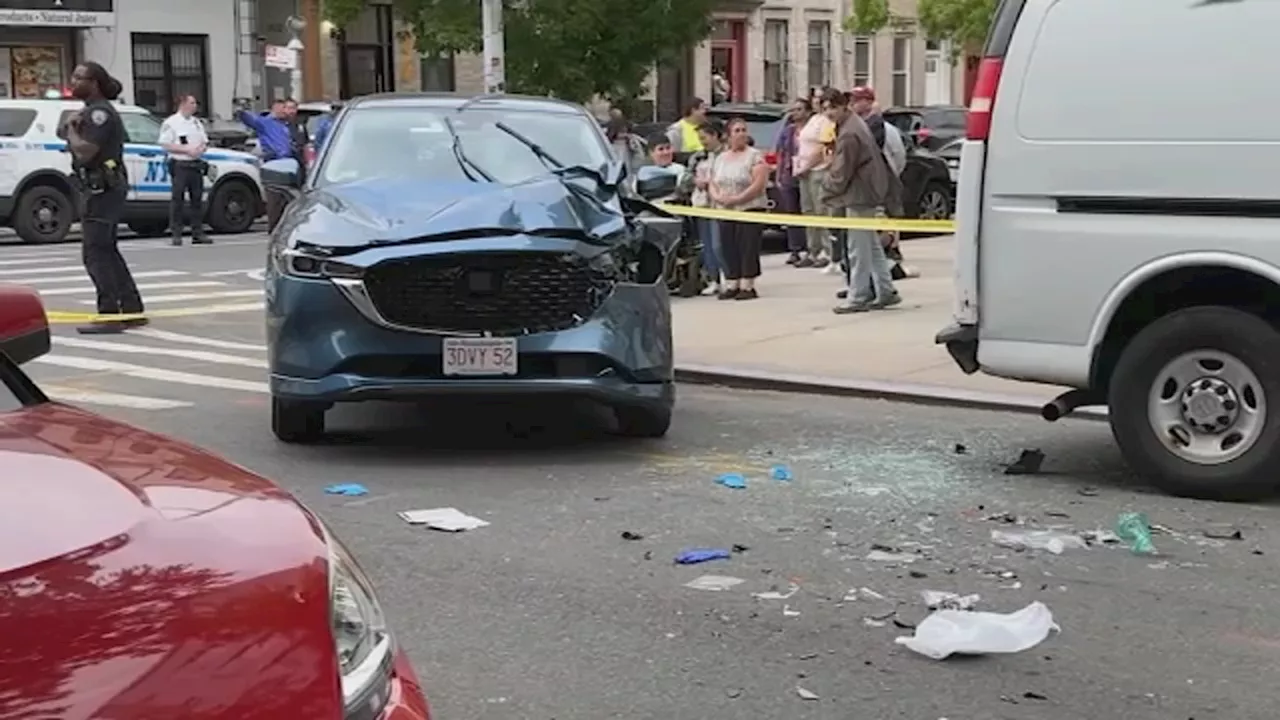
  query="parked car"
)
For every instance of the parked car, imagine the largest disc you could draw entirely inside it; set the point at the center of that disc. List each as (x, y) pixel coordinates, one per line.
(933, 126)
(38, 198)
(142, 577)
(950, 154)
(466, 246)
(927, 188)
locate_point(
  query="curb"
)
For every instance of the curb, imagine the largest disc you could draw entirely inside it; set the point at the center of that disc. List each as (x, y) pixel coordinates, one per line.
(918, 394)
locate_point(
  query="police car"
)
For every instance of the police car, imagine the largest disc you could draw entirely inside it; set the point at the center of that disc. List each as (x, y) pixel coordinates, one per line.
(36, 195)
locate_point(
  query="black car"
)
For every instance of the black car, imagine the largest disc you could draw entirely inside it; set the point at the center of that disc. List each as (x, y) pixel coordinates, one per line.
(927, 190)
(932, 126)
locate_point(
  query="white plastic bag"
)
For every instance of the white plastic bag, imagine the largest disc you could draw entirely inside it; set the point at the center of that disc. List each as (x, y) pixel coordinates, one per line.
(963, 632)
(1051, 540)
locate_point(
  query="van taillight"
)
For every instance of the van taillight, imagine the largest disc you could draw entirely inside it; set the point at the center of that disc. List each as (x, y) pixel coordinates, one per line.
(984, 98)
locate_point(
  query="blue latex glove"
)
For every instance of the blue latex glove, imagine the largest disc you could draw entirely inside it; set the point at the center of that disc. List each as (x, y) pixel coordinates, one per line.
(694, 556)
(733, 481)
(348, 489)
(781, 472)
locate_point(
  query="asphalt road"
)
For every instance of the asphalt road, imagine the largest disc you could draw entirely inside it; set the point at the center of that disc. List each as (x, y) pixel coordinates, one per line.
(550, 613)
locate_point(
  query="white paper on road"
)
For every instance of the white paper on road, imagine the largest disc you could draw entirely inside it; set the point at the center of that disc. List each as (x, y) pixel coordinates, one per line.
(714, 583)
(961, 632)
(446, 519)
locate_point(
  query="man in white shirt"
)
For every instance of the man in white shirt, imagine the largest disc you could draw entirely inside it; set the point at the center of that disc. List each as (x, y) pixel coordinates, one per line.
(182, 135)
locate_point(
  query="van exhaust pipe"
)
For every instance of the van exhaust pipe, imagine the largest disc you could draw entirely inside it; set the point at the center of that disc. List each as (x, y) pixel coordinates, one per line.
(1068, 402)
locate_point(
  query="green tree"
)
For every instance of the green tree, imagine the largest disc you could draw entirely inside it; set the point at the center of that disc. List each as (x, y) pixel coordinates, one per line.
(868, 17)
(572, 49)
(963, 23)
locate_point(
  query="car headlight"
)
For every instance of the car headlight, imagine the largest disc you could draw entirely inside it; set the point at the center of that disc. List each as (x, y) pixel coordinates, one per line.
(365, 648)
(296, 263)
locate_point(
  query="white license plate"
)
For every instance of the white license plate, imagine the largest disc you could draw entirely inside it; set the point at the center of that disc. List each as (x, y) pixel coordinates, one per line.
(480, 356)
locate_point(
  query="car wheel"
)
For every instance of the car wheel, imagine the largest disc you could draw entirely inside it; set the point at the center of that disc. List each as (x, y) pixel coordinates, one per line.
(935, 202)
(43, 215)
(233, 207)
(1189, 404)
(295, 422)
(149, 228)
(643, 422)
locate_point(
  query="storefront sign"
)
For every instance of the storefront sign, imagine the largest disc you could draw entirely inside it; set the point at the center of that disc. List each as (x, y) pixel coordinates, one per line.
(57, 13)
(54, 18)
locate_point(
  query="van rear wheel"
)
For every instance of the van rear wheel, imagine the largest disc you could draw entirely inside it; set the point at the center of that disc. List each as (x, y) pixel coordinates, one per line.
(1190, 401)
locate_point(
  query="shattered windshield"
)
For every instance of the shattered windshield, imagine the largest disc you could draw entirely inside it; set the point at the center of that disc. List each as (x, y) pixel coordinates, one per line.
(416, 143)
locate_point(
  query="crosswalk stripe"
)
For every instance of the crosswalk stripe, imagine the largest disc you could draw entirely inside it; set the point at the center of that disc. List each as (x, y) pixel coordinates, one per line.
(157, 334)
(131, 402)
(142, 372)
(44, 271)
(143, 287)
(148, 274)
(189, 297)
(127, 349)
(32, 260)
(221, 273)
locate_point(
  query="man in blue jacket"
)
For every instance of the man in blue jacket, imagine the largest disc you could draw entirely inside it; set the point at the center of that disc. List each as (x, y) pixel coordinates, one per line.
(325, 125)
(275, 143)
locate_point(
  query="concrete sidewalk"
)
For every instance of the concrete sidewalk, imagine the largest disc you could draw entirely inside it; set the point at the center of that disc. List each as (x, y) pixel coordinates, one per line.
(791, 336)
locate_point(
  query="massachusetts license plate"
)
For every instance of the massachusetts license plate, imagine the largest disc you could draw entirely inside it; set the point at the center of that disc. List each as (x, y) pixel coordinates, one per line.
(480, 356)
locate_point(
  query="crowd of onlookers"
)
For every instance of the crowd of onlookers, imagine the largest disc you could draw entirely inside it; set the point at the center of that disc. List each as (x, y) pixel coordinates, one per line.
(835, 156)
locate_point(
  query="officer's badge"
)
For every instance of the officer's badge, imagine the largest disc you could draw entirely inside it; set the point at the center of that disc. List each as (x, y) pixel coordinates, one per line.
(98, 117)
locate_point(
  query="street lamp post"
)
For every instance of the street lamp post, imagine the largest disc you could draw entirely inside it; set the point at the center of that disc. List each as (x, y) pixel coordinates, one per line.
(495, 75)
(296, 26)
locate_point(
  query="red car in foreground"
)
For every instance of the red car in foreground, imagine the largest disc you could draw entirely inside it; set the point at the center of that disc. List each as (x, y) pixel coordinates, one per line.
(143, 578)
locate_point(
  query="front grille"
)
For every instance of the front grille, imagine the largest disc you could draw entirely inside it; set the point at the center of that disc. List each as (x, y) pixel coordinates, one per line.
(517, 293)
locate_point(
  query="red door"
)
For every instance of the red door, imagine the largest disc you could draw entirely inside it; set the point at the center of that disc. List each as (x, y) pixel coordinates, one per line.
(729, 55)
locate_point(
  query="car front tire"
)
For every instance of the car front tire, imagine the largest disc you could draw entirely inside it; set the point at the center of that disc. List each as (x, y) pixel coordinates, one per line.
(1190, 400)
(295, 422)
(233, 207)
(43, 215)
(643, 422)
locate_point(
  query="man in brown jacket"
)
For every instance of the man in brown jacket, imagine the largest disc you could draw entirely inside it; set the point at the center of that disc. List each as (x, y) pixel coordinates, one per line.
(859, 184)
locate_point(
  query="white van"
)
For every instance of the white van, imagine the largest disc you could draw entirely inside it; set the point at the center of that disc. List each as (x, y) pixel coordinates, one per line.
(1118, 228)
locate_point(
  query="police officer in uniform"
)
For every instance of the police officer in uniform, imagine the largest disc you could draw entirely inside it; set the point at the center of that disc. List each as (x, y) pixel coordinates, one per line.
(182, 135)
(95, 138)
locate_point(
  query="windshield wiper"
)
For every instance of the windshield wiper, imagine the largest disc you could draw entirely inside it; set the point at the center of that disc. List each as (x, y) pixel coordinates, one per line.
(463, 160)
(548, 158)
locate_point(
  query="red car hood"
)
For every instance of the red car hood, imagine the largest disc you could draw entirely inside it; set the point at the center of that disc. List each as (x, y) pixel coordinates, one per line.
(141, 577)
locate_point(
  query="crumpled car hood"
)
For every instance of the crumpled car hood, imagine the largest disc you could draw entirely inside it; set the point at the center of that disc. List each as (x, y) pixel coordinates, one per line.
(389, 210)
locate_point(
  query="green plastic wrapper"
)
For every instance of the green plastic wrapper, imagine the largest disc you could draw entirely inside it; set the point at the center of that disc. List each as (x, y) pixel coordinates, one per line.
(1135, 529)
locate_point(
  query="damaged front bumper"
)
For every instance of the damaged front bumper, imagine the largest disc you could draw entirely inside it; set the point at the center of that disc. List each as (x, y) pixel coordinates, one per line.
(362, 327)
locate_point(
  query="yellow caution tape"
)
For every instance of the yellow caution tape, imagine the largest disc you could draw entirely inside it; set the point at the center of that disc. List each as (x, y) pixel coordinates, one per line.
(941, 227)
(61, 317)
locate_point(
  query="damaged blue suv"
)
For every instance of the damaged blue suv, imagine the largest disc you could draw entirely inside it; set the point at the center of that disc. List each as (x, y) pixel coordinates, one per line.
(450, 245)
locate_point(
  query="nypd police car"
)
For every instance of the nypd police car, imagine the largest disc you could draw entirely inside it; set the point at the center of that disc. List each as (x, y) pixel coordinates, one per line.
(37, 198)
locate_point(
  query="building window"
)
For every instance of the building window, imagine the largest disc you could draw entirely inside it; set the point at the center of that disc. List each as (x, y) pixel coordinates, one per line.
(862, 58)
(439, 73)
(819, 54)
(776, 61)
(167, 67)
(902, 70)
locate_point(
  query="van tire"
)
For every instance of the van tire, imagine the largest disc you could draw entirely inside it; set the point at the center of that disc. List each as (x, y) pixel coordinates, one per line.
(43, 198)
(1249, 340)
(233, 207)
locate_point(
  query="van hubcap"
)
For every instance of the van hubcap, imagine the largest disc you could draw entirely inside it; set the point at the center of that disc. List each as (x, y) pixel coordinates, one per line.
(1207, 406)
